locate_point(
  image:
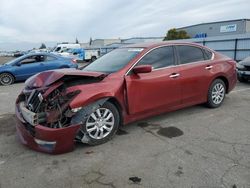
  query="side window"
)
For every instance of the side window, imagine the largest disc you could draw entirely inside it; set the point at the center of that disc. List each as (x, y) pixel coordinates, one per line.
(58, 49)
(208, 54)
(29, 60)
(159, 58)
(50, 58)
(41, 58)
(189, 54)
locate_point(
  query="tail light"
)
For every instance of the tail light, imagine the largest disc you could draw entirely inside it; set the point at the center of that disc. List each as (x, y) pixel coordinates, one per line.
(73, 60)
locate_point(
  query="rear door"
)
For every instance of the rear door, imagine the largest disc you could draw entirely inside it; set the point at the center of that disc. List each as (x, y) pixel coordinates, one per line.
(196, 72)
(159, 88)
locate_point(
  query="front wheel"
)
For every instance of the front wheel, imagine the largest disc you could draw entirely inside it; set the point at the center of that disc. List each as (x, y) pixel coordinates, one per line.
(6, 79)
(216, 93)
(102, 124)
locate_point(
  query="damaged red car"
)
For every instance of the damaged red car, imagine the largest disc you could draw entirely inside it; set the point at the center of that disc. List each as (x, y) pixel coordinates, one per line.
(58, 108)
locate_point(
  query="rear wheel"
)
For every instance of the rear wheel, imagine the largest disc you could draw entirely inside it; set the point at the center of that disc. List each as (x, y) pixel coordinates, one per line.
(93, 58)
(216, 93)
(102, 124)
(6, 79)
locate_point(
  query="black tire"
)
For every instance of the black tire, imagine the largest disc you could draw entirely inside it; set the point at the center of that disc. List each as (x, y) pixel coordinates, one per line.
(212, 100)
(113, 109)
(6, 79)
(241, 79)
(93, 58)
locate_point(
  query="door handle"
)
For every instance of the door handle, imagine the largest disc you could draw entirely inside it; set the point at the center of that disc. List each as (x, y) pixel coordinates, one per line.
(174, 75)
(209, 67)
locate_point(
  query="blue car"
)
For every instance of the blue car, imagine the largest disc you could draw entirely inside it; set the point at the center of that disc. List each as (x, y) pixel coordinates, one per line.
(25, 66)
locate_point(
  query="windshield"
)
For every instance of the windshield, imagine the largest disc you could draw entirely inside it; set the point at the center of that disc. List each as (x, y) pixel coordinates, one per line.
(114, 60)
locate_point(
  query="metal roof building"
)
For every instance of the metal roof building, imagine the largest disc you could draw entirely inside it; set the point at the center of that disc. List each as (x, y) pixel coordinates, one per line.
(221, 28)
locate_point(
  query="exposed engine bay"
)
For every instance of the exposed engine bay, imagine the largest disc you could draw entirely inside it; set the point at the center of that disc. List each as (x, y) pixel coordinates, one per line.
(49, 106)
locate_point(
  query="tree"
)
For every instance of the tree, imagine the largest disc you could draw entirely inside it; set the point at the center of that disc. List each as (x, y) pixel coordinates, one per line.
(173, 34)
(77, 42)
(43, 46)
(90, 41)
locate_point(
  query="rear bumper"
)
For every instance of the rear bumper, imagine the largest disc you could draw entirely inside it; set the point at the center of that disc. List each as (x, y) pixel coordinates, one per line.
(44, 139)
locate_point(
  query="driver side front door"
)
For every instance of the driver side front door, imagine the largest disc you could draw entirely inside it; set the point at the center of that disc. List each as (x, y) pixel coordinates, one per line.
(157, 90)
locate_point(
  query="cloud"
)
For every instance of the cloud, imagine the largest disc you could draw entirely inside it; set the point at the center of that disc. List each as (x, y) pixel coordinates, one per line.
(57, 20)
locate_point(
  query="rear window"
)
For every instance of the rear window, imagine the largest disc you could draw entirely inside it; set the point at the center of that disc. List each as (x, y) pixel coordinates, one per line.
(190, 54)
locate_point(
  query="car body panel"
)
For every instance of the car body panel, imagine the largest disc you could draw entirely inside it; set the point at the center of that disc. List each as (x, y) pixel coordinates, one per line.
(137, 96)
(145, 87)
(47, 78)
(243, 69)
(55, 136)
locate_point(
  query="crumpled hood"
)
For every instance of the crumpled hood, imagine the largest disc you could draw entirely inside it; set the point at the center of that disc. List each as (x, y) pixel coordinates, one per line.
(49, 77)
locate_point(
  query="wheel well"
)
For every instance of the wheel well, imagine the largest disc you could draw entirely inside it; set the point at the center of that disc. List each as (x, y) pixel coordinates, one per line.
(115, 102)
(10, 74)
(224, 79)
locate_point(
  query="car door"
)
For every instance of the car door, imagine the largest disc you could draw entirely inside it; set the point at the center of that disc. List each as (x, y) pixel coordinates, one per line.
(52, 62)
(159, 88)
(195, 73)
(29, 66)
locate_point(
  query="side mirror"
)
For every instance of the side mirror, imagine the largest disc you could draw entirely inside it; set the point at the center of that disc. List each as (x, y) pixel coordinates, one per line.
(18, 64)
(142, 69)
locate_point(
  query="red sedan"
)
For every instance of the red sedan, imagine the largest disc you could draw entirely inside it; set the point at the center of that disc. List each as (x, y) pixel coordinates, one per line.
(58, 108)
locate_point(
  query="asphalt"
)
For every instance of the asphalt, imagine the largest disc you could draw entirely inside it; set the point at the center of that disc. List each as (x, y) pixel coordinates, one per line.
(192, 147)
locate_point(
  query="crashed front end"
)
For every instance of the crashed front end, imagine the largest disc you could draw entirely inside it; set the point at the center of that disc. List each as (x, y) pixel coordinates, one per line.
(44, 120)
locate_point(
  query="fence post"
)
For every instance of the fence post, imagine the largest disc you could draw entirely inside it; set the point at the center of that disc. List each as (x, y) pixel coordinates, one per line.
(235, 48)
(204, 42)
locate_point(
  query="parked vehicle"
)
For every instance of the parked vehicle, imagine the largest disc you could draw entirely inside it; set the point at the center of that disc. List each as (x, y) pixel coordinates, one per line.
(243, 70)
(57, 108)
(89, 55)
(61, 47)
(25, 66)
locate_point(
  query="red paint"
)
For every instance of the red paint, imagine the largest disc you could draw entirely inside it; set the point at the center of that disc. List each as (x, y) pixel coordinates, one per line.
(140, 95)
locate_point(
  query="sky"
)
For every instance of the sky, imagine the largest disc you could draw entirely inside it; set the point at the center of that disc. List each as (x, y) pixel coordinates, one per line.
(25, 24)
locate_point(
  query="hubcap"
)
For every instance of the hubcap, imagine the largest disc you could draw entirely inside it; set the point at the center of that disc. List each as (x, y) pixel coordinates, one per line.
(100, 123)
(218, 93)
(6, 79)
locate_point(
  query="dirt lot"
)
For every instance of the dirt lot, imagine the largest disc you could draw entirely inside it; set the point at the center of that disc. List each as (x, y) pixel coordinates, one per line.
(5, 59)
(193, 147)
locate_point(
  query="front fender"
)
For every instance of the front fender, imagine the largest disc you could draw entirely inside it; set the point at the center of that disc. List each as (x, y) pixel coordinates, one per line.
(81, 101)
(93, 92)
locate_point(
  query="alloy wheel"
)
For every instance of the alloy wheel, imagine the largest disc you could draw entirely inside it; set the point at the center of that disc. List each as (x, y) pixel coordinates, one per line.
(218, 93)
(100, 123)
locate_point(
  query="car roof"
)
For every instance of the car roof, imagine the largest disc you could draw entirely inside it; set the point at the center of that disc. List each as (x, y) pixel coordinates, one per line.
(157, 44)
(42, 53)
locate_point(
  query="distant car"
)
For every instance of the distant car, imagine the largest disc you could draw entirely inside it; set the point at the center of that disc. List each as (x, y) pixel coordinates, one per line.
(243, 70)
(58, 108)
(25, 66)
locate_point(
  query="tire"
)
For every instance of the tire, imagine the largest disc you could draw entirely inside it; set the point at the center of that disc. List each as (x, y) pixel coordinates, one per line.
(241, 79)
(93, 58)
(216, 93)
(6, 79)
(92, 126)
